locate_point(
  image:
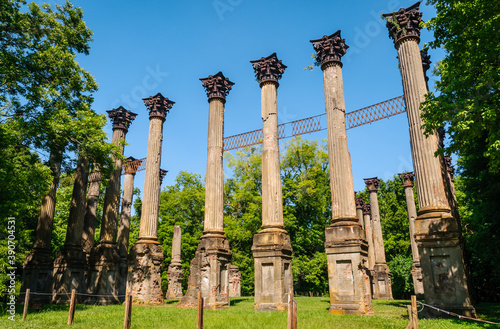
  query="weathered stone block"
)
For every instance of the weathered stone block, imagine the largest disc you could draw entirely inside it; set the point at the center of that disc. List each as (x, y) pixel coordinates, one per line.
(144, 275)
(104, 278)
(234, 281)
(175, 275)
(68, 274)
(37, 276)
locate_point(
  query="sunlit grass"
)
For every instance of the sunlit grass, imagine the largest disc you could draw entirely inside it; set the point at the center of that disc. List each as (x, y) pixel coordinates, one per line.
(312, 313)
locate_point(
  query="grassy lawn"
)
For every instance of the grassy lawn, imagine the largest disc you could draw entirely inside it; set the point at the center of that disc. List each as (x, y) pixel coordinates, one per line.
(312, 313)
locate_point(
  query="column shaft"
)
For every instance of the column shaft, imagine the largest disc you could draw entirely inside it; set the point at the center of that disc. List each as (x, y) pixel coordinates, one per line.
(124, 228)
(369, 237)
(176, 244)
(378, 239)
(90, 220)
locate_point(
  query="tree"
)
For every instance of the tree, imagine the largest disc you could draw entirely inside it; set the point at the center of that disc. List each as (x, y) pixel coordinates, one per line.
(466, 105)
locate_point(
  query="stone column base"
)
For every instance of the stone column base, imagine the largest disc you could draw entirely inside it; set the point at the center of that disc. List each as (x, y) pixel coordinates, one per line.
(175, 275)
(144, 274)
(347, 256)
(382, 288)
(418, 285)
(103, 280)
(37, 276)
(441, 260)
(209, 273)
(234, 281)
(68, 274)
(272, 252)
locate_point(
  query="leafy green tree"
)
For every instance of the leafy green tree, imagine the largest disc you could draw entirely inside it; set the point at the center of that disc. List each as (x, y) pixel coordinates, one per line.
(466, 104)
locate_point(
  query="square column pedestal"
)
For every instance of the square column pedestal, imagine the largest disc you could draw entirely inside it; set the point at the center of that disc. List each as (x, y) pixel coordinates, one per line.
(104, 275)
(347, 255)
(382, 288)
(272, 252)
(144, 273)
(37, 276)
(69, 270)
(209, 273)
(445, 284)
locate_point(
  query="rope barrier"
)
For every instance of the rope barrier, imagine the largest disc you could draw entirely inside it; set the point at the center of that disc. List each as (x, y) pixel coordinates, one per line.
(460, 317)
(68, 294)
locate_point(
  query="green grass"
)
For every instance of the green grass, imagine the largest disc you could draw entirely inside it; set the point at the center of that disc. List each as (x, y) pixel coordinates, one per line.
(312, 313)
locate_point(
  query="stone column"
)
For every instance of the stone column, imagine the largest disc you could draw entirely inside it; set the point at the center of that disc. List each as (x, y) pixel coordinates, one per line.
(175, 274)
(130, 168)
(234, 281)
(146, 255)
(381, 273)
(90, 220)
(436, 230)
(70, 261)
(369, 235)
(209, 269)
(38, 266)
(359, 211)
(272, 250)
(104, 259)
(346, 247)
(416, 270)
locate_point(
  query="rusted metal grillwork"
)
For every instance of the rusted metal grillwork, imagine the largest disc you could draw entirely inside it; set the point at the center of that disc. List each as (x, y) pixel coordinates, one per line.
(354, 119)
(130, 167)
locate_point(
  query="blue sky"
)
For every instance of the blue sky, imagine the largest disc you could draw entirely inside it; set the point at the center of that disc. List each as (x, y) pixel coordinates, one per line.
(141, 48)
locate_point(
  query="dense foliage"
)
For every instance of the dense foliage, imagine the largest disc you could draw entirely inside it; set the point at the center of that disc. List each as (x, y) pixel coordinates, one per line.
(467, 104)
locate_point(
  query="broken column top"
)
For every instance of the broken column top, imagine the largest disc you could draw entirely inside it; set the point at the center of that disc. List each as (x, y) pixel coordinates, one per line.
(359, 203)
(407, 178)
(217, 86)
(404, 23)
(367, 208)
(176, 244)
(121, 118)
(158, 106)
(329, 49)
(372, 184)
(268, 68)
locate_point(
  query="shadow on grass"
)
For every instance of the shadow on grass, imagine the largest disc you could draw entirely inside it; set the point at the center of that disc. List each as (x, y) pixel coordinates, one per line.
(235, 300)
(171, 302)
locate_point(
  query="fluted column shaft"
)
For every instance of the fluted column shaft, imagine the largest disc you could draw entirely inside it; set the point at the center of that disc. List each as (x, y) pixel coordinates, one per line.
(176, 244)
(272, 202)
(90, 220)
(341, 182)
(47, 209)
(151, 199)
(378, 239)
(112, 197)
(412, 215)
(430, 187)
(369, 237)
(78, 204)
(124, 228)
(214, 214)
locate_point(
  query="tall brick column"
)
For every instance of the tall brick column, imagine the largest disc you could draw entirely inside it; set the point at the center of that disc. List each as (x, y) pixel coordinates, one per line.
(70, 261)
(436, 230)
(346, 247)
(381, 273)
(104, 259)
(146, 255)
(130, 168)
(272, 250)
(209, 270)
(38, 266)
(416, 270)
(175, 274)
(90, 221)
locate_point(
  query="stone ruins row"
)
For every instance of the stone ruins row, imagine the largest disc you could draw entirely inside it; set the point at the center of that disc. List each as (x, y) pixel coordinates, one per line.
(357, 268)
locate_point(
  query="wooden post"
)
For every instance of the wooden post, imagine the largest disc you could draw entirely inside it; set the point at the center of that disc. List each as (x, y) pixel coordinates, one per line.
(290, 310)
(199, 324)
(410, 317)
(26, 303)
(414, 311)
(128, 312)
(72, 305)
(294, 314)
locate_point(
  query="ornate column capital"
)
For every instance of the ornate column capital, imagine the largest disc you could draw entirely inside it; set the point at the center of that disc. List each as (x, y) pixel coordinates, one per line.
(130, 166)
(404, 23)
(217, 86)
(407, 178)
(268, 69)
(163, 173)
(158, 106)
(359, 203)
(329, 49)
(372, 184)
(426, 62)
(449, 165)
(121, 118)
(367, 208)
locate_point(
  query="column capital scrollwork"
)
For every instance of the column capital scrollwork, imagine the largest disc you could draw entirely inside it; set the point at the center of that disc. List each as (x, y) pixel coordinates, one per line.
(367, 208)
(426, 62)
(162, 173)
(407, 178)
(329, 49)
(158, 106)
(404, 23)
(268, 69)
(372, 184)
(121, 118)
(217, 86)
(359, 203)
(130, 166)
